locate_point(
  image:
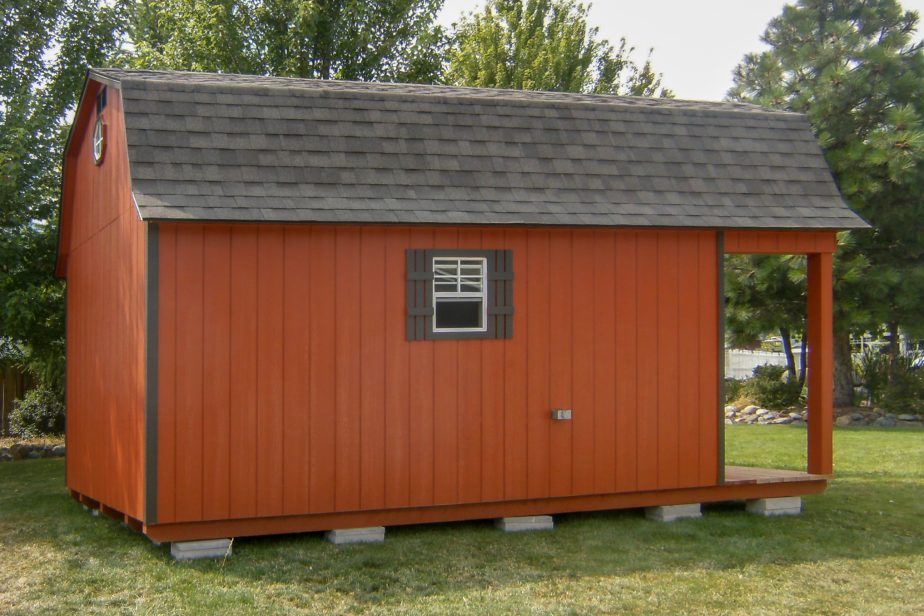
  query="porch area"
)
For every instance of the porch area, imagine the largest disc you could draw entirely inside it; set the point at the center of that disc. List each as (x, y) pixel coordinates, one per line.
(741, 475)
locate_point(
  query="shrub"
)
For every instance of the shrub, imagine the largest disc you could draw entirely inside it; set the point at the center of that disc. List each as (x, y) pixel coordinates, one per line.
(771, 387)
(906, 394)
(872, 371)
(733, 389)
(39, 413)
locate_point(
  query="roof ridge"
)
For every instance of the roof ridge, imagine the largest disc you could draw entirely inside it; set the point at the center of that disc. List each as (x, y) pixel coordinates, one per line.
(462, 93)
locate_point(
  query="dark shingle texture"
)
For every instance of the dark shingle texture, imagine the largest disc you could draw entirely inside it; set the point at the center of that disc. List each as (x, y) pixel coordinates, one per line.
(243, 148)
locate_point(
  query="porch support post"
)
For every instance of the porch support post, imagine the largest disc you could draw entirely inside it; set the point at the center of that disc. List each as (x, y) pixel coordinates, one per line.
(820, 364)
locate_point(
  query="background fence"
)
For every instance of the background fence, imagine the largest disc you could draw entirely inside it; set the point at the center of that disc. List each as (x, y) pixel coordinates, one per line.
(740, 364)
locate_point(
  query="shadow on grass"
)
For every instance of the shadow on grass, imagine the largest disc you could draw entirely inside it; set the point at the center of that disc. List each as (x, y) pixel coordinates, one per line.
(857, 518)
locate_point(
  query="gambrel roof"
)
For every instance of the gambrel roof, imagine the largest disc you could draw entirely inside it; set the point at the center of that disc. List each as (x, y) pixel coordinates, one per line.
(246, 148)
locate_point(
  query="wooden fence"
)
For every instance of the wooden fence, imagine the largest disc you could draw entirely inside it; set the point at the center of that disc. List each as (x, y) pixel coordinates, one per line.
(13, 385)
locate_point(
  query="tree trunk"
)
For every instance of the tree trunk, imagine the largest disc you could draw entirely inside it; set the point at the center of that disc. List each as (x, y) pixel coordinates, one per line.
(787, 349)
(802, 359)
(843, 371)
(893, 352)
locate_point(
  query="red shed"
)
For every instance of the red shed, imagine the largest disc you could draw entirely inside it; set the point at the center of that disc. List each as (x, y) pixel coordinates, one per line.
(298, 305)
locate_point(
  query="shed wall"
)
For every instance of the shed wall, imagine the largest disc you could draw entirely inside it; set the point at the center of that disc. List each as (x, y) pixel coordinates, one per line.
(286, 385)
(105, 316)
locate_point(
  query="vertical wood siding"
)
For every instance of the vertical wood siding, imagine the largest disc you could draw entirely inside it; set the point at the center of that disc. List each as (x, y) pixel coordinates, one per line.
(288, 386)
(104, 245)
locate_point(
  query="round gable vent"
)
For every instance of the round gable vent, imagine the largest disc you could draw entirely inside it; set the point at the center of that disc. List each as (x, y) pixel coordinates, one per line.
(99, 140)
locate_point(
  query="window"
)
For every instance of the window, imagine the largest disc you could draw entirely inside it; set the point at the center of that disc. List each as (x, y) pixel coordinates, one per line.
(99, 140)
(99, 131)
(459, 294)
(100, 101)
(459, 290)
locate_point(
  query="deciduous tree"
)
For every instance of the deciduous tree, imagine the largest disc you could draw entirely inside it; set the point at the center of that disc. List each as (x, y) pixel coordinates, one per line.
(544, 45)
(385, 40)
(45, 49)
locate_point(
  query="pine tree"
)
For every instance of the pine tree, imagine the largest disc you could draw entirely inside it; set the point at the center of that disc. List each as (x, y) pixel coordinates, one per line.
(765, 294)
(854, 68)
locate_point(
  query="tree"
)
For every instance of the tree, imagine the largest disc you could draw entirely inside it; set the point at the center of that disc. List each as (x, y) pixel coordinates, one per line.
(764, 294)
(853, 67)
(46, 47)
(385, 40)
(543, 45)
(193, 35)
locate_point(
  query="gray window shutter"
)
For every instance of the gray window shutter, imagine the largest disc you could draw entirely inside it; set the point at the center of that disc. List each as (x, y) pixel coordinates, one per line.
(420, 297)
(419, 308)
(500, 292)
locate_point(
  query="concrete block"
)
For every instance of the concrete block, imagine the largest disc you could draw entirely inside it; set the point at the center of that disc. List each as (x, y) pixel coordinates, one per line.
(210, 548)
(670, 513)
(525, 523)
(786, 505)
(344, 536)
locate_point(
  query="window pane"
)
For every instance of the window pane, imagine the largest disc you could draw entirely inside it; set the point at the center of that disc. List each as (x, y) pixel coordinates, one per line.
(445, 287)
(465, 314)
(442, 267)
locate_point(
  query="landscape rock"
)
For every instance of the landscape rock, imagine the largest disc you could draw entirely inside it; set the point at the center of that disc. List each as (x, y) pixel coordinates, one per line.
(25, 451)
(20, 451)
(844, 417)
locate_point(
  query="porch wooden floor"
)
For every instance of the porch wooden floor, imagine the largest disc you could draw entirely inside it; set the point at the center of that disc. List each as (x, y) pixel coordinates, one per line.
(750, 474)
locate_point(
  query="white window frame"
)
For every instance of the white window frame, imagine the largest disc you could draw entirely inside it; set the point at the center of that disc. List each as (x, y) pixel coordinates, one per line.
(99, 137)
(459, 294)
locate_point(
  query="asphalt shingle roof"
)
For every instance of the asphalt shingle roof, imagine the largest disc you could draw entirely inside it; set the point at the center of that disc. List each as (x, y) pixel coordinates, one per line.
(205, 146)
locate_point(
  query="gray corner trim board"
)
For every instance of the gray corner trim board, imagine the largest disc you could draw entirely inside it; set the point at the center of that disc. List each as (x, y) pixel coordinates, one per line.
(152, 280)
(720, 326)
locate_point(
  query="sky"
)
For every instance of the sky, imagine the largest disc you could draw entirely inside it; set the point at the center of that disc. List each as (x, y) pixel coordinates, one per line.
(697, 43)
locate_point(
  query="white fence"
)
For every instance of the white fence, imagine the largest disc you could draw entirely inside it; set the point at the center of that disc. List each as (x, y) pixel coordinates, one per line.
(740, 364)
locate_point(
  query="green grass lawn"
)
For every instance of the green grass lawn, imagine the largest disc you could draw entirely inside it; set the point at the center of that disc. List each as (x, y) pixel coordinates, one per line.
(858, 548)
